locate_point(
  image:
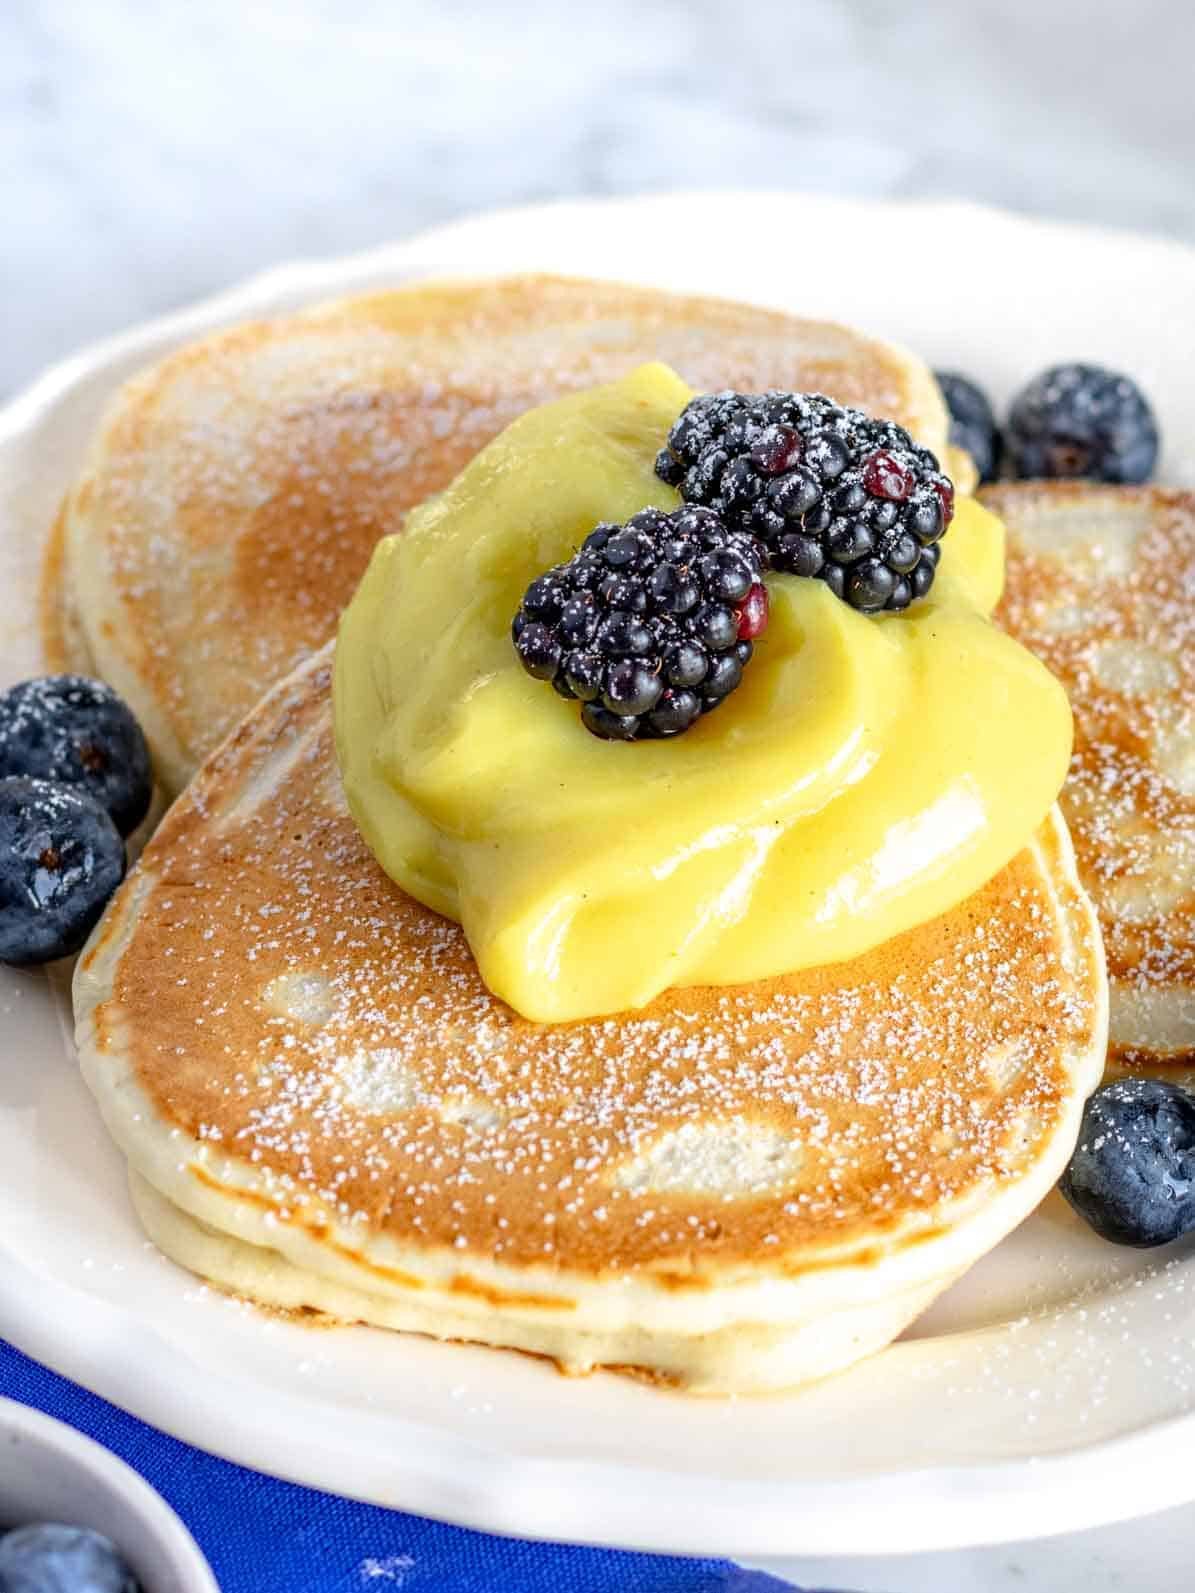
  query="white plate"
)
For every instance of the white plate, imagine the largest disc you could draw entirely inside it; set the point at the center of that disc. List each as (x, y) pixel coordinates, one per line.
(1052, 1389)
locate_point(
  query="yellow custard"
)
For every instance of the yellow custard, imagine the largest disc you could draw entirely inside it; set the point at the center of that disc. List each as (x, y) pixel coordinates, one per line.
(867, 775)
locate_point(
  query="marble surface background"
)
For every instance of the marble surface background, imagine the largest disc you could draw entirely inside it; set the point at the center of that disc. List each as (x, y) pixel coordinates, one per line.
(151, 153)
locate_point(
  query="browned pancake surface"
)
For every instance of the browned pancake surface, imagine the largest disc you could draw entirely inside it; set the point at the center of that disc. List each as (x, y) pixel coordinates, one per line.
(243, 482)
(1117, 626)
(936, 1063)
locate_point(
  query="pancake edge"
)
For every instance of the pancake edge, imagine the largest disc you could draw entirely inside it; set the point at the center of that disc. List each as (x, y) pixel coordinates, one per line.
(757, 1329)
(88, 625)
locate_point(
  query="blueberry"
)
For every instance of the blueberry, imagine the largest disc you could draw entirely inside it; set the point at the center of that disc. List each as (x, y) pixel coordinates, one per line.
(1132, 1176)
(1081, 421)
(78, 732)
(56, 1559)
(972, 423)
(61, 857)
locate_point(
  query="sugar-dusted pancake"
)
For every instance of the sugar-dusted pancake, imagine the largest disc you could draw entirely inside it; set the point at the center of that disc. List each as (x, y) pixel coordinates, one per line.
(734, 1189)
(234, 492)
(1101, 585)
(62, 638)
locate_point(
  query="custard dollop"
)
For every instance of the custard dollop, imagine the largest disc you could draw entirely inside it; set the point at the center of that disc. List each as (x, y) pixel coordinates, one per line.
(869, 773)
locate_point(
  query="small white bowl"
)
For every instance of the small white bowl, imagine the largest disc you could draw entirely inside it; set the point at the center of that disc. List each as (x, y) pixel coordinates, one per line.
(49, 1472)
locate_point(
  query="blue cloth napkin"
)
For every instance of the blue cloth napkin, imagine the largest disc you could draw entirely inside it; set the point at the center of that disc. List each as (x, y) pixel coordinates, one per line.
(265, 1536)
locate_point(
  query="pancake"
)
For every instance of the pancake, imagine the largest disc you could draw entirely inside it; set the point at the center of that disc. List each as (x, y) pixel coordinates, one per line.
(63, 643)
(1101, 585)
(734, 1189)
(233, 493)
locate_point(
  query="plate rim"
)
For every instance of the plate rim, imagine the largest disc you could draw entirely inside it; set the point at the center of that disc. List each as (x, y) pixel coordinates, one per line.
(89, 1340)
(125, 1360)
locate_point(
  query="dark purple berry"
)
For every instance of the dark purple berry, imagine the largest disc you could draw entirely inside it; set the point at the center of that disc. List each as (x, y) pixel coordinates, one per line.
(725, 674)
(972, 423)
(78, 732)
(539, 650)
(1083, 421)
(609, 726)
(1132, 1175)
(651, 624)
(753, 613)
(869, 585)
(885, 476)
(686, 665)
(61, 857)
(778, 448)
(823, 487)
(631, 688)
(677, 710)
(848, 540)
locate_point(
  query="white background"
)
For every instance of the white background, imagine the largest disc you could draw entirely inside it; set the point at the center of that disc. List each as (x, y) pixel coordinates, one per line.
(151, 153)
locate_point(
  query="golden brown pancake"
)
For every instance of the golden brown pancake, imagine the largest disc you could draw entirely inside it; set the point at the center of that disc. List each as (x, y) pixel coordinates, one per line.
(1101, 585)
(735, 1189)
(61, 633)
(233, 493)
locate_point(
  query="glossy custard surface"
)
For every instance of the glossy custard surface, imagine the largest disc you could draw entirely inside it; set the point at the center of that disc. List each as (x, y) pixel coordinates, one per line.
(869, 773)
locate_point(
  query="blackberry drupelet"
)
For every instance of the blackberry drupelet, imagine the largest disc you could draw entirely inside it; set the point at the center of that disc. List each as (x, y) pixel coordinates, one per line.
(972, 422)
(1082, 422)
(830, 492)
(650, 624)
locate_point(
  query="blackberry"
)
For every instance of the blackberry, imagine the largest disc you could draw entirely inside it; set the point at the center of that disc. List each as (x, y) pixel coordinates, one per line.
(649, 625)
(830, 492)
(972, 422)
(1082, 422)
(78, 732)
(1132, 1176)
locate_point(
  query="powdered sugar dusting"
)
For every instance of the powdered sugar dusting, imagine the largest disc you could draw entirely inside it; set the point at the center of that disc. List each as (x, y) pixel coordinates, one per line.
(1123, 563)
(236, 492)
(820, 1107)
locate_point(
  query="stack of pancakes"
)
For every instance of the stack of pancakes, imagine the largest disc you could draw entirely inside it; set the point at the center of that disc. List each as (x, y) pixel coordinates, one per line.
(321, 1103)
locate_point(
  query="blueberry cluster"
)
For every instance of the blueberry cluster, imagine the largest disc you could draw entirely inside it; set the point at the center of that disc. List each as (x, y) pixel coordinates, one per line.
(829, 492)
(650, 624)
(74, 780)
(78, 732)
(1071, 422)
(1082, 421)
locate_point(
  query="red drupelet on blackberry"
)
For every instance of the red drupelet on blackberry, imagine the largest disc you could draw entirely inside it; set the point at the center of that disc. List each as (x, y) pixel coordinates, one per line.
(650, 624)
(830, 492)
